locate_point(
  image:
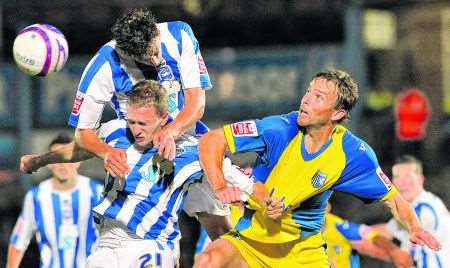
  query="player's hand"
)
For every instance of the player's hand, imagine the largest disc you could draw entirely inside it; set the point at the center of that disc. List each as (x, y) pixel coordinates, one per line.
(274, 207)
(229, 195)
(401, 259)
(115, 163)
(421, 237)
(165, 141)
(26, 164)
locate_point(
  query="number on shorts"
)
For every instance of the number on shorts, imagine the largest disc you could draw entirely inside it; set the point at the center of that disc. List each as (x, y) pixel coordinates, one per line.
(146, 258)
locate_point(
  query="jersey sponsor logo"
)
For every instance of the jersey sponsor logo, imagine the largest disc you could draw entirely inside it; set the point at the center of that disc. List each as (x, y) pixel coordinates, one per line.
(386, 181)
(244, 128)
(79, 98)
(201, 65)
(165, 73)
(318, 179)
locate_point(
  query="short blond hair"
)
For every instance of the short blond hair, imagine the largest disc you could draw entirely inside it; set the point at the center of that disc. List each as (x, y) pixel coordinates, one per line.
(149, 93)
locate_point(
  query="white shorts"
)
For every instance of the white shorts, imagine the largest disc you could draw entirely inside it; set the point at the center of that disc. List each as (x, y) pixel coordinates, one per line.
(118, 248)
(201, 197)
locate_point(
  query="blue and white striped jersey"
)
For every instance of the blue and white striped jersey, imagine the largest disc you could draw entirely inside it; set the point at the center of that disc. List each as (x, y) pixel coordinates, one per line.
(435, 218)
(150, 198)
(111, 74)
(62, 221)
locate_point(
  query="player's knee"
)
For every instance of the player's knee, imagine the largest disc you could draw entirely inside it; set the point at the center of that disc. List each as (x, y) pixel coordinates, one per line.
(208, 259)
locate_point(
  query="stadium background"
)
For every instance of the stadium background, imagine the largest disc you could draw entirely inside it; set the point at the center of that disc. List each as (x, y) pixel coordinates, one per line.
(260, 55)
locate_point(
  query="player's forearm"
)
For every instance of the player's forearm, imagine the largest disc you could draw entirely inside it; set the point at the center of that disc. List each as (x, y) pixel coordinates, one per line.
(87, 139)
(192, 111)
(370, 249)
(14, 257)
(68, 153)
(212, 147)
(403, 212)
(388, 248)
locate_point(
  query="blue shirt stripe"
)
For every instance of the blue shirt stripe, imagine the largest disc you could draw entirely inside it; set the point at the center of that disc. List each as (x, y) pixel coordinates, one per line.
(57, 214)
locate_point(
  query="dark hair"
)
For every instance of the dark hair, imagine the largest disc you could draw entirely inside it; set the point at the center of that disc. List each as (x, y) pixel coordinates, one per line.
(409, 159)
(134, 31)
(347, 89)
(61, 138)
(149, 93)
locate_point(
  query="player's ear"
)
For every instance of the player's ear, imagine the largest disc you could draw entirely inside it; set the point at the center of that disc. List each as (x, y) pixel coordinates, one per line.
(338, 114)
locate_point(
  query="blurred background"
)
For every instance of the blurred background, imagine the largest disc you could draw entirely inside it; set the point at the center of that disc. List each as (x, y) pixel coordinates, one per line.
(260, 55)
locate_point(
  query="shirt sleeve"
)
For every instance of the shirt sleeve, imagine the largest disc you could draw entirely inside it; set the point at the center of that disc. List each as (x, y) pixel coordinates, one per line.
(25, 226)
(356, 232)
(96, 88)
(114, 133)
(362, 176)
(193, 70)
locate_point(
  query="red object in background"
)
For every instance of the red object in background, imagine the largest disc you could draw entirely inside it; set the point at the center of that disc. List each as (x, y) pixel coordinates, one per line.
(412, 113)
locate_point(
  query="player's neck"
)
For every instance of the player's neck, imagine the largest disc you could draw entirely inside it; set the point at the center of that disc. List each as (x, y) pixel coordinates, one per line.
(315, 138)
(66, 185)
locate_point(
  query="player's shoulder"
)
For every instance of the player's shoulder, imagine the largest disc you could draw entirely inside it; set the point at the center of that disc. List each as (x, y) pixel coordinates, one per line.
(107, 49)
(175, 25)
(115, 127)
(280, 123)
(356, 148)
(173, 30)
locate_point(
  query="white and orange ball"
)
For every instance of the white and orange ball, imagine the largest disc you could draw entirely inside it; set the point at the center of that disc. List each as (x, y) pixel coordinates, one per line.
(40, 49)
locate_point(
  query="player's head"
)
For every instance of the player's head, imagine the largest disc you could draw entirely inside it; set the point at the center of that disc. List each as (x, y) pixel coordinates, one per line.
(137, 35)
(62, 172)
(146, 111)
(329, 98)
(407, 176)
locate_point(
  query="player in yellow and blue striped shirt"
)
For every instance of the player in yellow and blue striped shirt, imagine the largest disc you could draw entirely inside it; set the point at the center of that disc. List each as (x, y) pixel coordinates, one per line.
(302, 158)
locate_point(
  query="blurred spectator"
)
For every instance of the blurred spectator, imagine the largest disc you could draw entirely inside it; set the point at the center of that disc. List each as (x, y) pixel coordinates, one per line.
(408, 177)
(58, 211)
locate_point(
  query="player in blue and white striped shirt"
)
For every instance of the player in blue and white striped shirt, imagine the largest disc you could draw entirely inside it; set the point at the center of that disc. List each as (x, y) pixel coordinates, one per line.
(59, 212)
(140, 211)
(169, 53)
(143, 49)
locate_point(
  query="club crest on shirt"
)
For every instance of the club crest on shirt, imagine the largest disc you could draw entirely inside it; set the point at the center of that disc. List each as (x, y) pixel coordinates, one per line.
(318, 179)
(386, 181)
(337, 249)
(165, 73)
(244, 128)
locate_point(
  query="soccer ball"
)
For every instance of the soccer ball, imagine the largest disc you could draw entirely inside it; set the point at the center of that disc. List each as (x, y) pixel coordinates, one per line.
(40, 49)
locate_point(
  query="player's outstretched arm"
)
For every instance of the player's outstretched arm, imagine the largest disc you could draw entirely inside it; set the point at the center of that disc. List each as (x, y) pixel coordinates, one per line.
(405, 214)
(193, 111)
(68, 153)
(383, 248)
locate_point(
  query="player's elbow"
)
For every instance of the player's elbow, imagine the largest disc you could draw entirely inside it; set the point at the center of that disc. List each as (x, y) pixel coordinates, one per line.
(83, 137)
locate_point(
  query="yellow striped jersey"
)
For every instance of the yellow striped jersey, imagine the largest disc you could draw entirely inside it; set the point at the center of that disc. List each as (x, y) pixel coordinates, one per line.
(306, 181)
